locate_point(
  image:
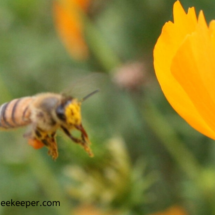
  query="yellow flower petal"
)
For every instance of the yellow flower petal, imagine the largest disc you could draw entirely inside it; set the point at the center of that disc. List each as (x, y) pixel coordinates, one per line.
(212, 32)
(190, 79)
(173, 42)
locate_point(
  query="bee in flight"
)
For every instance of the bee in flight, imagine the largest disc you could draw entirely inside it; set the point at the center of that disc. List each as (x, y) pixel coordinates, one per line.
(45, 113)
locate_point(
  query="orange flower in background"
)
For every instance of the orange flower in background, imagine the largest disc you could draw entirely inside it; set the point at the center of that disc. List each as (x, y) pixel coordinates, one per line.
(184, 62)
(69, 24)
(174, 210)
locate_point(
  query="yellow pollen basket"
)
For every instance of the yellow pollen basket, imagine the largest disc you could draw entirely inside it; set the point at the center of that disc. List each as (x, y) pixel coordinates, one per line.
(73, 112)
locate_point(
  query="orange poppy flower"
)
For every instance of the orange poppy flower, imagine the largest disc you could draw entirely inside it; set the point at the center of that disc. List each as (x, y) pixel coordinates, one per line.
(69, 24)
(174, 210)
(184, 58)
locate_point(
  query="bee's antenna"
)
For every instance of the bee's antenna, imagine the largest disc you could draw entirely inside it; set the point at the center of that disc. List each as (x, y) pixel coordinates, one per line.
(89, 95)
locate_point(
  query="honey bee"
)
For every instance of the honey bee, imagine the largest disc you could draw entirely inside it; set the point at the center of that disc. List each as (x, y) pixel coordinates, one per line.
(45, 113)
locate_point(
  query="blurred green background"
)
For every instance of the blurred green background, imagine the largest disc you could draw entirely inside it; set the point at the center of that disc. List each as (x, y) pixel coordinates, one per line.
(147, 158)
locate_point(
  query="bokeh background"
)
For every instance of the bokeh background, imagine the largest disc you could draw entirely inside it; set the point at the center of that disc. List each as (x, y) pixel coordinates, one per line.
(147, 161)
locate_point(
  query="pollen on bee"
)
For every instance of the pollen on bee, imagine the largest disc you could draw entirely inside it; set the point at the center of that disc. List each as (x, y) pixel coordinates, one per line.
(73, 114)
(35, 143)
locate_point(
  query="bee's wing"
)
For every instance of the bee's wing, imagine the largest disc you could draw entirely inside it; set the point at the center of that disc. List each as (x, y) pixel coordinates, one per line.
(86, 84)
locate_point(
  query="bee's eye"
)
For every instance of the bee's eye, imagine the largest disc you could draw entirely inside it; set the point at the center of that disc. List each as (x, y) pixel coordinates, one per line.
(60, 112)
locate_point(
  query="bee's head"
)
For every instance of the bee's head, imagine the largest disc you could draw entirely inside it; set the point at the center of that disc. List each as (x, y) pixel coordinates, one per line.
(70, 112)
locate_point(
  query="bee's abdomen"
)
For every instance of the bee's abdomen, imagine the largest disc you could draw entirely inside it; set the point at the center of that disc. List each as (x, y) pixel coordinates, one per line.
(15, 113)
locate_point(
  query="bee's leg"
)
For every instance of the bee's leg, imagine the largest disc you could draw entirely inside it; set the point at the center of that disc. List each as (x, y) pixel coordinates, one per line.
(49, 141)
(32, 137)
(78, 141)
(37, 138)
(52, 145)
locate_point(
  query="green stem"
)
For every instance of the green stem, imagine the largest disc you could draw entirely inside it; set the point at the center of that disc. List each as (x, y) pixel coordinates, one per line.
(166, 134)
(179, 152)
(100, 49)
